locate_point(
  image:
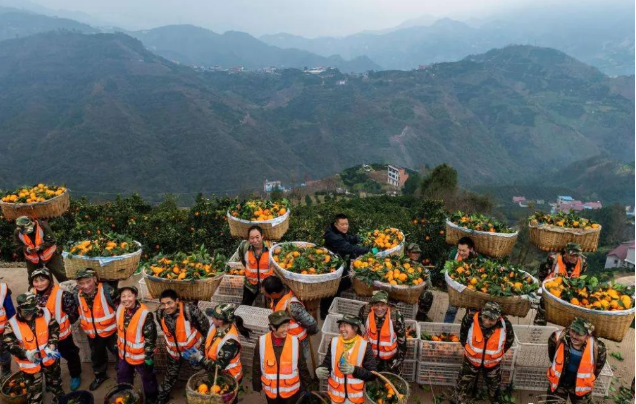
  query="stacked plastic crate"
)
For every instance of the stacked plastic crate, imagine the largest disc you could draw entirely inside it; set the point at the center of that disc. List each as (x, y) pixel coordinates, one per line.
(409, 311)
(255, 319)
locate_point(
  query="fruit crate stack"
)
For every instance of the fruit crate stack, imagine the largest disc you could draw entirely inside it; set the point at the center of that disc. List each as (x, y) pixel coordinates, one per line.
(324, 345)
(341, 305)
(254, 319)
(409, 311)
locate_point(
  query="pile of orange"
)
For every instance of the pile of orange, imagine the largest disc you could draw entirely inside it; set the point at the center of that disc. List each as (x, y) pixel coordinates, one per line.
(443, 337)
(212, 389)
(234, 271)
(393, 269)
(491, 277)
(305, 260)
(384, 239)
(111, 245)
(590, 294)
(258, 210)
(16, 387)
(38, 193)
(186, 267)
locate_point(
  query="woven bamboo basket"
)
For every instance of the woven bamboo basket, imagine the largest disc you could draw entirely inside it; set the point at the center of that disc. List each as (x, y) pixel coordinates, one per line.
(396, 382)
(612, 325)
(54, 207)
(118, 269)
(513, 305)
(273, 229)
(308, 287)
(494, 245)
(360, 287)
(194, 397)
(21, 399)
(554, 238)
(121, 389)
(402, 293)
(200, 289)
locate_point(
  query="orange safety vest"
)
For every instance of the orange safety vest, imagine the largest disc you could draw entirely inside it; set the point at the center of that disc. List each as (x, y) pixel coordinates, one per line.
(584, 375)
(35, 257)
(342, 387)
(4, 289)
(295, 328)
(559, 268)
(186, 336)
(213, 347)
(33, 342)
(256, 271)
(101, 320)
(383, 343)
(130, 340)
(54, 305)
(280, 378)
(487, 353)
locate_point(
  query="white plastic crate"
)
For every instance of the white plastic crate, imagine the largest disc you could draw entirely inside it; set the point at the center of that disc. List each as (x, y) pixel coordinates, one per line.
(412, 344)
(446, 375)
(346, 306)
(324, 346)
(536, 379)
(231, 285)
(254, 318)
(409, 311)
(330, 324)
(409, 371)
(247, 355)
(533, 345)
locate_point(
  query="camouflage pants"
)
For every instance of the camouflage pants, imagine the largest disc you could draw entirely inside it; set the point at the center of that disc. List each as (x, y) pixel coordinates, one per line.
(173, 367)
(52, 375)
(565, 392)
(468, 378)
(425, 304)
(539, 318)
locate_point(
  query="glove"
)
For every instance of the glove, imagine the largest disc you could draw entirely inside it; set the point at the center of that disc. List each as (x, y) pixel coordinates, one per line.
(149, 362)
(52, 353)
(194, 356)
(346, 368)
(374, 250)
(322, 373)
(33, 357)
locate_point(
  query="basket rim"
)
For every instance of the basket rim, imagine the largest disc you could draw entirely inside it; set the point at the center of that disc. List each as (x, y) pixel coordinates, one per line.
(278, 218)
(486, 233)
(193, 281)
(127, 255)
(6, 381)
(285, 272)
(570, 230)
(486, 295)
(23, 204)
(195, 393)
(617, 313)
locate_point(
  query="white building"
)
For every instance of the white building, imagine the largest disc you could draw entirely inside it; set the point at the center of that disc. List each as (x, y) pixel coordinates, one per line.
(269, 186)
(622, 256)
(396, 176)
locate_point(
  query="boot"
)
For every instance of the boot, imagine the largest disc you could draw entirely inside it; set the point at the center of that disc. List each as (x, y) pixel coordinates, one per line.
(99, 379)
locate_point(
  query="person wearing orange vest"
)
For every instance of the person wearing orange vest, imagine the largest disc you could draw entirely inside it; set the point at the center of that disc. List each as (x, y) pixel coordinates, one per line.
(348, 363)
(279, 368)
(465, 250)
(385, 331)
(35, 241)
(32, 337)
(97, 320)
(486, 336)
(577, 358)
(570, 263)
(184, 327)
(63, 307)
(136, 343)
(302, 324)
(7, 310)
(254, 254)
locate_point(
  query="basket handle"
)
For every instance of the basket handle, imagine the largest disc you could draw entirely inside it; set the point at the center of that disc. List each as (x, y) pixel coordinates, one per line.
(384, 379)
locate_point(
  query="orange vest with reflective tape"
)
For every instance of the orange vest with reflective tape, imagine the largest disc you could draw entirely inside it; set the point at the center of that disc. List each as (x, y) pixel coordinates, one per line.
(31, 342)
(213, 347)
(485, 353)
(295, 328)
(35, 256)
(101, 319)
(383, 343)
(585, 374)
(186, 336)
(130, 340)
(54, 305)
(4, 289)
(560, 269)
(257, 270)
(280, 378)
(342, 387)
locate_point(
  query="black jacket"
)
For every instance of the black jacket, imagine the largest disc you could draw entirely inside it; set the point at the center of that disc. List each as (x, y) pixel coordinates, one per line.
(343, 244)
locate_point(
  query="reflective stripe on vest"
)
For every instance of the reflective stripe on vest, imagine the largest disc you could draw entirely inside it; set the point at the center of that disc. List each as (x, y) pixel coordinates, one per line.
(33, 343)
(279, 377)
(342, 386)
(257, 270)
(560, 269)
(585, 377)
(55, 307)
(35, 257)
(487, 353)
(4, 289)
(295, 329)
(186, 336)
(130, 340)
(101, 318)
(214, 346)
(387, 347)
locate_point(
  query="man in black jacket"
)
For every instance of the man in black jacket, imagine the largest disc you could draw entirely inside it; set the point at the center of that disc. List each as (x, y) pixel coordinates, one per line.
(338, 241)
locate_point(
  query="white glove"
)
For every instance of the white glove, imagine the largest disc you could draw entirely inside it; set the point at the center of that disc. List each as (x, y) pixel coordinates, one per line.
(33, 357)
(346, 368)
(196, 356)
(52, 353)
(322, 373)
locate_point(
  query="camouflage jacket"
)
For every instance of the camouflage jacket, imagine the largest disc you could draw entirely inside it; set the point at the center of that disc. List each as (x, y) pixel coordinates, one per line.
(399, 326)
(149, 330)
(548, 265)
(15, 346)
(47, 241)
(467, 322)
(228, 351)
(300, 314)
(193, 314)
(69, 303)
(601, 352)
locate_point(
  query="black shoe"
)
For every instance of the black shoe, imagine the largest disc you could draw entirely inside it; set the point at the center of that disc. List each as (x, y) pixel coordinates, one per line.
(97, 382)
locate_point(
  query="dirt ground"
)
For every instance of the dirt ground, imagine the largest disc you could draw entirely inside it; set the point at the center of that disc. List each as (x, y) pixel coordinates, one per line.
(623, 370)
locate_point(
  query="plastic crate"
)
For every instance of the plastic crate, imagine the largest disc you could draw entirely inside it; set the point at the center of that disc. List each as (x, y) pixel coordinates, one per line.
(446, 375)
(324, 345)
(536, 379)
(231, 285)
(533, 345)
(247, 355)
(412, 344)
(346, 306)
(409, 371)
(330, 324)
(409, 311)
(254, 318)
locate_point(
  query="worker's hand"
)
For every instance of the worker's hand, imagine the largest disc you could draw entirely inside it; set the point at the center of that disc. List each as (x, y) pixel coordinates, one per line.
(322, 373)
(195, 356)
(33, 356)
(30, 250)
(395, 364)
(346, 368)
(51, 352)
(149, 362)
(374, 250)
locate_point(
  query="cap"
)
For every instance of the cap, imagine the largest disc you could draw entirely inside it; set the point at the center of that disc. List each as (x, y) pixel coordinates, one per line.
(40, 272)
(278, 317)
(223, 311)
(573, 248)
(380, 296)
(85, 273)
(349, 319)
(23, 221)
(128, 287)
(413, 247)
(491, 310)
(581, 326)
(27, 302)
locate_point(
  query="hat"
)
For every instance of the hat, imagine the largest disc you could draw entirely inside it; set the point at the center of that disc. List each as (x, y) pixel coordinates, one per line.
(278, 318)
(23, 221)
(413, 247)
(380, 296)
(27, 302)
(40, 272)
(85, 273)
(581, 326)
(223, 311)
(573, 248)
(349, 319)
(491, 310)
(128, 287)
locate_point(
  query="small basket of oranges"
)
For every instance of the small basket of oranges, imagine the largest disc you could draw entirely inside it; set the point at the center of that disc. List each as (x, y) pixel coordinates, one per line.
(14, 389)
(37, 202)
(271, 216)
(124, 393)
(386, 389)
(203, 389)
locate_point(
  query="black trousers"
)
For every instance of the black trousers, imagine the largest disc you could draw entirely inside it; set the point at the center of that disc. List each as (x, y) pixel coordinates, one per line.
(70, 352)
(99, 353)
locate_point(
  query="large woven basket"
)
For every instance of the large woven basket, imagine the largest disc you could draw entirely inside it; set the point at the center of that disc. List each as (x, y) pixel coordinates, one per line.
(396, 382)
(360, 287)
(107, 268)
(494, 245)
(54, 207)
(554, 238)
(273, 229)
(402, 293)
(398, 250)
(200, 289)
(21, 399)
(308, 287)
(607, 324)
(513, 305)
(194, 397)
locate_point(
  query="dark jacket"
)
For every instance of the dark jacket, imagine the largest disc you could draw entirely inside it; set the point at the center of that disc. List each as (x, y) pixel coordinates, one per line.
(601, 352)
(343, 244)
(467, 322)
(369, 364)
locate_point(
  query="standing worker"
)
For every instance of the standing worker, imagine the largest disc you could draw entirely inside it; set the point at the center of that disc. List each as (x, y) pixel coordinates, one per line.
(184, 326)
(279, 368)
(63, 306)
(7, 310)
(569, 263)
(136, 343)
(385, 332)
(254, 254)
(97, 319)
(32, 336)
(348, 363)
(486, 336)
(36, 242)
(464, 251)
(577, 359)
(425, 303)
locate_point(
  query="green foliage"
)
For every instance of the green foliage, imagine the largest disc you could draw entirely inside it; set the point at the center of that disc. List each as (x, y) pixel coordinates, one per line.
(442, 180)
(411, 184)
